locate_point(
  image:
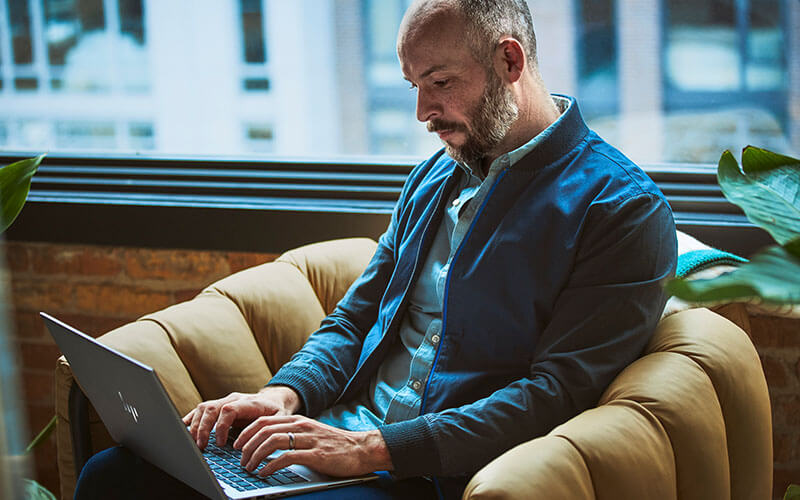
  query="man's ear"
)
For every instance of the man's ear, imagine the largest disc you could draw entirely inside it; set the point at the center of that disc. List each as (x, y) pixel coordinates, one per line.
(510, 59)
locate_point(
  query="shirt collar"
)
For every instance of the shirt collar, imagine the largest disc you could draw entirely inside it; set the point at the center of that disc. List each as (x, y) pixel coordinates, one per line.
(509, 159)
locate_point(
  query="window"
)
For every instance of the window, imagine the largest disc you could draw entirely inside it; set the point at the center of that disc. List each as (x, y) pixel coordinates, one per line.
(254, 46)
(598, 72)
(725, 72)
(665, 80)
(260, 138)
(76, 45)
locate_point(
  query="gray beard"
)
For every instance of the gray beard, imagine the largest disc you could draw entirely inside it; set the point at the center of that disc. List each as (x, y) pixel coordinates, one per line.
(491, 120)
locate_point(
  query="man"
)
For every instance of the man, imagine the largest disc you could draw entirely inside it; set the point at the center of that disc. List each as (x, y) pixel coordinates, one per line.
(521, 271)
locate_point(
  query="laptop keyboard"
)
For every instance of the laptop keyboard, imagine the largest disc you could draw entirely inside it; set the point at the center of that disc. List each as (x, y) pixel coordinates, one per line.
(225, 463)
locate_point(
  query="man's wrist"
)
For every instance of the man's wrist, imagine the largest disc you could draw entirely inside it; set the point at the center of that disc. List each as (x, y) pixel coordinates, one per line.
(377, 452)
(285, 395)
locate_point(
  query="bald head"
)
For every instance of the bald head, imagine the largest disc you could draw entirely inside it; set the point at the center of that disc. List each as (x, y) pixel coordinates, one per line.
(477, 87)
(480, 24)
(427, 17)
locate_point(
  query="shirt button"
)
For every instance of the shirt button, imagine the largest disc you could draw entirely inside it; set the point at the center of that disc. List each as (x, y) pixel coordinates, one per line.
(416, 385)
(435, 339)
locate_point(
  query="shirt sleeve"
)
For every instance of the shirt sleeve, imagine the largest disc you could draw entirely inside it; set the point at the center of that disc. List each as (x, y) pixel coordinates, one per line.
(601, 322)
(319, 372)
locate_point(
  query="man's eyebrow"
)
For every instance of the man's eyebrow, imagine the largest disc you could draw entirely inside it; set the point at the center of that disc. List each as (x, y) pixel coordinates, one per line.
(433, 69)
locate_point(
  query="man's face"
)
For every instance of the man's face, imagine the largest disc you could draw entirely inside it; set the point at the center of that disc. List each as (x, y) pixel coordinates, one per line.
(461, 100)
(487, 123)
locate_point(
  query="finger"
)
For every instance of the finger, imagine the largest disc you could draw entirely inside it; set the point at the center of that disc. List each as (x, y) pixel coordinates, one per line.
(227, 416)
(187, 419)
(282, 441)
(265, 449)
(198, 415)
(298, 457)
(272, 424)
(254, 427)
(206, 424)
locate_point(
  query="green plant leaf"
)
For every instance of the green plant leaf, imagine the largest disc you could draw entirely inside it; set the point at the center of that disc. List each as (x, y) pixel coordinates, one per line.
(792, 492)
(15, 182)
(761, 160)
(35, 491)
(773, 275)
(43, 434)
(793, 247)
(768, 191)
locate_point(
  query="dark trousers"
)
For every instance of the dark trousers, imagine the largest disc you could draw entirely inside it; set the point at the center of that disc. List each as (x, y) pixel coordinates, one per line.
(116, 473)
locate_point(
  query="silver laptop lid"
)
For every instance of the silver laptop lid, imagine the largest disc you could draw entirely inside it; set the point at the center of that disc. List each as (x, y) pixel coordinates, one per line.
(134, 406)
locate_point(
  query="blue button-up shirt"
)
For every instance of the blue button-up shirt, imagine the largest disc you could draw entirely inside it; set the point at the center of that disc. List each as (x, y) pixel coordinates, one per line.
(396, 391)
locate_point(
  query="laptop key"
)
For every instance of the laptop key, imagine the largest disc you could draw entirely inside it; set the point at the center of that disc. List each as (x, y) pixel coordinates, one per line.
(282, 479)
(224, 461)
(272, 481)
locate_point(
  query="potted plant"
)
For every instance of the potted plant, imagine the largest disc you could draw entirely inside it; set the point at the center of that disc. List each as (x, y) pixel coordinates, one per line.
(15, 182)
(767, 188)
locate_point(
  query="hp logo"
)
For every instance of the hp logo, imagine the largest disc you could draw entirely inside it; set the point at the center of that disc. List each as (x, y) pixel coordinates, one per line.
(130, 409)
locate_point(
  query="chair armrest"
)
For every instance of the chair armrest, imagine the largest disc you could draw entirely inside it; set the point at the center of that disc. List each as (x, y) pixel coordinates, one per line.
(690, 419)
(546, 467)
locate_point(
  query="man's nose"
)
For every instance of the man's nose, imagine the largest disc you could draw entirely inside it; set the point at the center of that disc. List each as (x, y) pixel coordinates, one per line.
(427, 108)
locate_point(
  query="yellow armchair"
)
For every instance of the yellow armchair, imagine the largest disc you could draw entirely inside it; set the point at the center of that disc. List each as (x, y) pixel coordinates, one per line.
(690, 419)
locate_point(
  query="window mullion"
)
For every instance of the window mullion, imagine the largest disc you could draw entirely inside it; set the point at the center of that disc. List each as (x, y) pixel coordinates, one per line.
(113, 35)
(40, 56)
(743, 28)
(7, 65)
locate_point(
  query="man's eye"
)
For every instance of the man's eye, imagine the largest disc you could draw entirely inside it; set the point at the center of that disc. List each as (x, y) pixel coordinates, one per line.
(441, 83)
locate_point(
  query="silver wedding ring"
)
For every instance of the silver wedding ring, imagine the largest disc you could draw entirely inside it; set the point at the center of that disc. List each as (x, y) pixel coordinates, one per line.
(291, 440)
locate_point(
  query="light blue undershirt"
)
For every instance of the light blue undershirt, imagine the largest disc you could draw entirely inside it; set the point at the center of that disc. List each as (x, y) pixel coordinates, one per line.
(395, 393)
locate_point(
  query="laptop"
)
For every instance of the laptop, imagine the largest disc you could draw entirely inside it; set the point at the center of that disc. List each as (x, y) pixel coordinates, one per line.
(138, 413)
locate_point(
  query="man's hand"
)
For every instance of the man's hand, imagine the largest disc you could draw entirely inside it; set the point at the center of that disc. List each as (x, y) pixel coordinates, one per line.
(221, 414)
(326, 449)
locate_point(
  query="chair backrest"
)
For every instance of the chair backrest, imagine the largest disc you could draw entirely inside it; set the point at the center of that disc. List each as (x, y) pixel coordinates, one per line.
(237, 332)
(231, 337)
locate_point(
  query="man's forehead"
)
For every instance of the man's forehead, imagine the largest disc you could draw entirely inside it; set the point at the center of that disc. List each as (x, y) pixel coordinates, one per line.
(426, 19)
(432, 32)
(420, 10)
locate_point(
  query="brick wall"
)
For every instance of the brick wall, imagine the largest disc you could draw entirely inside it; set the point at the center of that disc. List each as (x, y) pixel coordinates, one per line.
(99, 288)
(95, 289)
(778, 344)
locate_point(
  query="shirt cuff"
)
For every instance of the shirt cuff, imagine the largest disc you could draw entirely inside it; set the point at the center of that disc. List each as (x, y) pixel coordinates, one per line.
(412, 448)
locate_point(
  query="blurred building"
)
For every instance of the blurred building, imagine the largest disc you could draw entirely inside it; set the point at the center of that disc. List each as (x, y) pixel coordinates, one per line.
(666, 80)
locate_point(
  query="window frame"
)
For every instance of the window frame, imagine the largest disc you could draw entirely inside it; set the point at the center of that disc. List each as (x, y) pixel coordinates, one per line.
(273, 205)
(678, 100)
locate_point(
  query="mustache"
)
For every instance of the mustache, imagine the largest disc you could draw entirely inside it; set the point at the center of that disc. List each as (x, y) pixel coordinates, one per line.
(436, 125)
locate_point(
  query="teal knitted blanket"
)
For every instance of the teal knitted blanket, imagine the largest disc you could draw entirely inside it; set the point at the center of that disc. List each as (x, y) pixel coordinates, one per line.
(697, 260)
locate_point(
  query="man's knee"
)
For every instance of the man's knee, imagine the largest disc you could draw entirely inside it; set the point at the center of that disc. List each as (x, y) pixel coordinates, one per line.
(105, 472)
